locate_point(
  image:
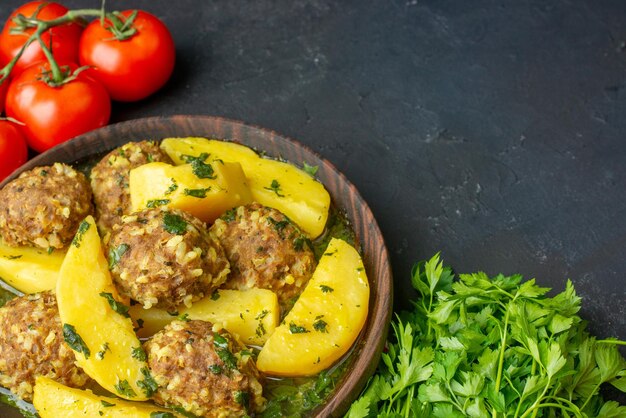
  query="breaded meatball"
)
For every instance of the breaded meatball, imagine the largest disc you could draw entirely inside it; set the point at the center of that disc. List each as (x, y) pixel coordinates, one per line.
(31, 345)
(204, 371)
(44, 206)
(163, 258)
(265, 250)
(109, 179)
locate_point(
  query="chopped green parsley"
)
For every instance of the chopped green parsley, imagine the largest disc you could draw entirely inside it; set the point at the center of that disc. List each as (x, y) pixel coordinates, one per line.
(174, 224)
(118, 307)
(78, 238)
(275, 187)
(155, 203)
(115, 254)
(74, 340)
(199, 193)
(297, 329)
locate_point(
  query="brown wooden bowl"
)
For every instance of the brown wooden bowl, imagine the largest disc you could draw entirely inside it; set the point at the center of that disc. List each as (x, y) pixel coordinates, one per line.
(344, 195)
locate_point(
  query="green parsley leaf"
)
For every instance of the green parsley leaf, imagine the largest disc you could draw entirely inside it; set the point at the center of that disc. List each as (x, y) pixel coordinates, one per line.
(115, 254)
(311, 170)
(155, 203)
(147, 384)
(123, 388)
(199, 193)
(74, 340)
(78, 238)
(174, 224)
(275, 187)
(118, 307)
(297, 329)
(139, 353)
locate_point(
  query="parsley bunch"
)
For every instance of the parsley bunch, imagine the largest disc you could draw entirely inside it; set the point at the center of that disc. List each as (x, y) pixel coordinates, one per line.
(491, 347)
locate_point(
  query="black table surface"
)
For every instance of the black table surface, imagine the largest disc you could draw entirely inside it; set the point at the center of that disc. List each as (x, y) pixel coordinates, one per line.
(490, 130)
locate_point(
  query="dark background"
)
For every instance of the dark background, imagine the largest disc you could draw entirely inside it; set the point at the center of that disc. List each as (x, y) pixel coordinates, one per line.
(492, 131)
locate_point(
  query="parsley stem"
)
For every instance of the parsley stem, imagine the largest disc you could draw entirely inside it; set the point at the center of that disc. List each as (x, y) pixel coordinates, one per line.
(535, 408)
(537, 404)
(616, 342)
(502, 349)
(593, 392)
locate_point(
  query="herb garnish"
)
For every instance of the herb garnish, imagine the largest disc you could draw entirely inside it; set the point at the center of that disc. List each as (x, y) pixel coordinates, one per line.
(230, 215)
(12, 257)
(199, 193)
(118, 307)
(215, 295)
(184, 317)
(279, 226)
(139, 353)
(320, 325)
(74, 340)
(326, 289)
(100, 354)
(115, 254)
(311, 170)
(201, 169)
(148, 384)
(297, 329)
(223, 352)
(155, 203)
(260, 329)
(242, 398)
(162, 415)
(495, 347)
(106, 404)
(215, 369)
(300, 241)
(173, 187)
(123, 388)
(275, 187)
(174, 224)
(78, 238)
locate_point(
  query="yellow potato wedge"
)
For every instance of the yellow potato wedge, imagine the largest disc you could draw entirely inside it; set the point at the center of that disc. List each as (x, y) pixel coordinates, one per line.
(251, 314)
(273, 183)
(94, 322)
(176, 148)
(54, 400)
(30, 269)
(205, 192)
(325, 321)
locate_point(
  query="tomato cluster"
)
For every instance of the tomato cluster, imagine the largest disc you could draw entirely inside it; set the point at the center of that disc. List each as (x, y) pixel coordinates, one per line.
(64, 88)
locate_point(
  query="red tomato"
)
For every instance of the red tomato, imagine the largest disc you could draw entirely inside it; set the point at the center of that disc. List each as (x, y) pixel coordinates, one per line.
(55, 114)
(64, 38)
(134, 68)
(13, 150)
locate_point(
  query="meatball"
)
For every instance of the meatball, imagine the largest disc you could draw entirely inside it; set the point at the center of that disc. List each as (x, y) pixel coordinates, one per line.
(163, 258)
(31, 345)
(44, 206)
(109, 179)
(203, 370)
(265, 250)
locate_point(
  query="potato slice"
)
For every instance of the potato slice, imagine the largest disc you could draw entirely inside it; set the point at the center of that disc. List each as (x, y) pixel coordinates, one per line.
(205, 192)
(251, 314)
(177, 148)
(102, 337)
(54, 400)
(273, 183)
(325, 321)
(30, 269)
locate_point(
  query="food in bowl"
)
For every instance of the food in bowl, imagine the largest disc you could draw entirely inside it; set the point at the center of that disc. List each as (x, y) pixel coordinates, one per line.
(288, 203)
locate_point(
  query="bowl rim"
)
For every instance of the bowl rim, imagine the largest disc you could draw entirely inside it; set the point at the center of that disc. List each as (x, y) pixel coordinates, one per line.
(380, 309)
